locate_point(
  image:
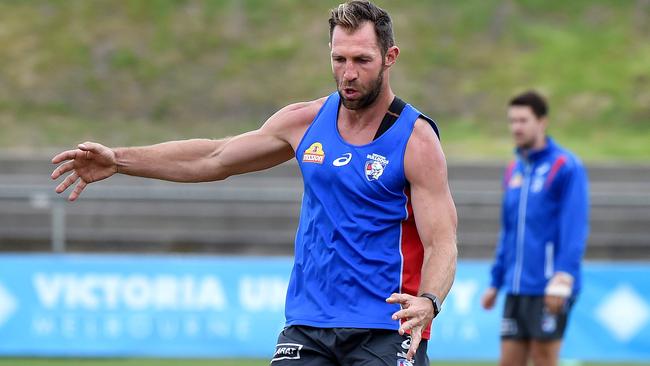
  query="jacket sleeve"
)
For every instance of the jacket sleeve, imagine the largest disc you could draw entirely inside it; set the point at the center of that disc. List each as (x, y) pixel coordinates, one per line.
(497, 266)
(574, 219)
(498, 271)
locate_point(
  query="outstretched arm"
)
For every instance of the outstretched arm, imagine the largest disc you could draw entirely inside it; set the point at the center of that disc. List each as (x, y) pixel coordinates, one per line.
(435, 218)
(197, 160)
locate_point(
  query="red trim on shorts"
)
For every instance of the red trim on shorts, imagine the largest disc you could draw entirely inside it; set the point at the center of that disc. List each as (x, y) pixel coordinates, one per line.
(412, 255)
(559, 162)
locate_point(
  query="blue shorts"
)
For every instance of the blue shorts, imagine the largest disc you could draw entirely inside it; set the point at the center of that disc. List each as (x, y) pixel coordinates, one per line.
(308, 346)
(526, 318)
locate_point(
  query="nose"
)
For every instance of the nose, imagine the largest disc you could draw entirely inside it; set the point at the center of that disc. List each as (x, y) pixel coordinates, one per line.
(514, 127)
(350, 73)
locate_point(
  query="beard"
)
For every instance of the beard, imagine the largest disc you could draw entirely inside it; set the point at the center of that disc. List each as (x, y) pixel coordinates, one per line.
(365, 100)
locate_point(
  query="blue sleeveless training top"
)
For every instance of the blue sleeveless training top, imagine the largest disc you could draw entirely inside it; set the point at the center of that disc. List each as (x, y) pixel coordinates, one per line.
(356, 242)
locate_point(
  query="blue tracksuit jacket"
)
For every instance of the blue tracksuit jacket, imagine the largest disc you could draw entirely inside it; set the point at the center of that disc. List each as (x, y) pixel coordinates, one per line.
(544, 221)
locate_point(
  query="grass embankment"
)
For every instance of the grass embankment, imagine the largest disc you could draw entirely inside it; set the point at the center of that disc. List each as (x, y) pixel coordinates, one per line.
(138, 72)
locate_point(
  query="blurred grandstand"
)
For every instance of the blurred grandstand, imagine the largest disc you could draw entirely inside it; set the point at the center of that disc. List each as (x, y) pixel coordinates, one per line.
(257, 213)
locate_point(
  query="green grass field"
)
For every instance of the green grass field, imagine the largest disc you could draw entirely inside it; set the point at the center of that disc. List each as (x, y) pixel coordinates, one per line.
(185, 362)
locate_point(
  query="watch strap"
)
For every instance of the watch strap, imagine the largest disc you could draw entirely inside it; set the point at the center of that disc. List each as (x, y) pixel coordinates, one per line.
(434, 301)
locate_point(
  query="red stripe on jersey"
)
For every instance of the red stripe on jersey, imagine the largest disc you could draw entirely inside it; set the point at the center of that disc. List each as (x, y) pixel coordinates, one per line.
(412, 255)
(556, 167)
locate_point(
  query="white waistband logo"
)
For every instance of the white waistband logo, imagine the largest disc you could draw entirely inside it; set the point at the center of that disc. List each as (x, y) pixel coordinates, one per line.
(343, 160)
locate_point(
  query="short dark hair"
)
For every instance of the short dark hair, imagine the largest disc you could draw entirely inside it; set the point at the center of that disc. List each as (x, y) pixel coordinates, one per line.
(531, 99)
(352, 14)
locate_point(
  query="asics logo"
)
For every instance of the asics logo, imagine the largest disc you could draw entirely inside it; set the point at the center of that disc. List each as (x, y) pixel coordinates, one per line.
(343, 160)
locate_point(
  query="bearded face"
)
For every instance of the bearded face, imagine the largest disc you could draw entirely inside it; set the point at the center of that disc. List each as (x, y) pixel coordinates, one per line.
(355, 95)
(358, 65)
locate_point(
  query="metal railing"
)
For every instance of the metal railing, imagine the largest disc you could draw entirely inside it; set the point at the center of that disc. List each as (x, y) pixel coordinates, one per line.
(266, 190)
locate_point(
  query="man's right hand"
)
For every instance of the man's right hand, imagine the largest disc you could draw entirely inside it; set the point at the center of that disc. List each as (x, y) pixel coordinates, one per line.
(489, 298)
(90, 162)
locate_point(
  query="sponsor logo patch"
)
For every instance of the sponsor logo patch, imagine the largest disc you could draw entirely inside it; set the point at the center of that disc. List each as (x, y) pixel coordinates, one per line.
(549, 323)
(343, 160)
(508, 327)
(538, 180)
(543, 169)
(314, 154)
(375, 166)
(404, 362)
(287, 351)
(407, 343)
(515, 181)
(537, 185)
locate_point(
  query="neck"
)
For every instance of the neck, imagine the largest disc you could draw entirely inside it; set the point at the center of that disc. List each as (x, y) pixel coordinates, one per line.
(540, 143)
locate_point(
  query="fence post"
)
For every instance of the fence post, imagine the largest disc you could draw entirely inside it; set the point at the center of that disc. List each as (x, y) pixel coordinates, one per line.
(58, 226)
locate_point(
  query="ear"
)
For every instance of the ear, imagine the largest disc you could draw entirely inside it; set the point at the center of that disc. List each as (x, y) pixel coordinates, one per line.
(544, 122)
(391, 56)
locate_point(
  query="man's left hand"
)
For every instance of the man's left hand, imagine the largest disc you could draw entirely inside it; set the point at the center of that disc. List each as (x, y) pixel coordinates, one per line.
(416, 314)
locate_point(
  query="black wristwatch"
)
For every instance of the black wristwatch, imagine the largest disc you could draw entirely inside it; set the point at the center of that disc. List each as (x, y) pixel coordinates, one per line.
(434, 301)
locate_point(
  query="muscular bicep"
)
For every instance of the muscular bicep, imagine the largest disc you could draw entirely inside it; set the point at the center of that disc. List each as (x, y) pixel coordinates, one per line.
(433, 208)
(249, 152)
(426, 171)
(270, 145)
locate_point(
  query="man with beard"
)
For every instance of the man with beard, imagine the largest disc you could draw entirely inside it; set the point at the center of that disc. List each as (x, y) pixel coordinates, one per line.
(375, 251)
(543, 235)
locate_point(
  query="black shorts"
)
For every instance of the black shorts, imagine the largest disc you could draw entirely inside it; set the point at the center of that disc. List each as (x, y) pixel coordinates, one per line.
(309, 346)
(526, 318)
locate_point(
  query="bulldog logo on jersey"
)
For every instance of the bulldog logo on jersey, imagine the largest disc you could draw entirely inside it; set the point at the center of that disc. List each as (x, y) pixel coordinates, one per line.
(314, 154)
(540, 178)
(374, 167)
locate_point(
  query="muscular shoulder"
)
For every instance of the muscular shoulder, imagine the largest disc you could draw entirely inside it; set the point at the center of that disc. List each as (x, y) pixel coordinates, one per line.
(304, 111)
(424, 141)
(291, 122)
(424, 155)
(297, 113)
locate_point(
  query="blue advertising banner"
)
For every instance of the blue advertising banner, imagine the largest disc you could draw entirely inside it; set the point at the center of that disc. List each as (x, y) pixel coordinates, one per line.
(189, 306)
(88, 305)
(609, 322)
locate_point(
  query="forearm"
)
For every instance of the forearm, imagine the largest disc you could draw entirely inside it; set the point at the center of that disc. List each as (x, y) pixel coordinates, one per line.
(439, 268)
(179, 161)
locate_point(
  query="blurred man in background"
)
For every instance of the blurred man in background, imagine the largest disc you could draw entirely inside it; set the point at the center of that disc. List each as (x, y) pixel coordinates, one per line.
(544, 226)
(364, 274)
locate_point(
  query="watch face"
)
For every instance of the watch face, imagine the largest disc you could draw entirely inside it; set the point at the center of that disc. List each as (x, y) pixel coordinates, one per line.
(437, 305)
